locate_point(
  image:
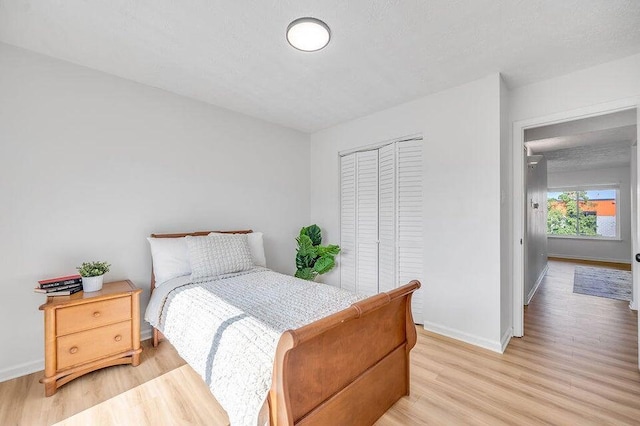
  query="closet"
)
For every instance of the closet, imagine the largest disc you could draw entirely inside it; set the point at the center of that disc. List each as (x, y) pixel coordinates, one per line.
(381, 219)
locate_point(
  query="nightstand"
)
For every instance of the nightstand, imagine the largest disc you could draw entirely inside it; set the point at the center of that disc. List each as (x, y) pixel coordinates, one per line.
(87, 331)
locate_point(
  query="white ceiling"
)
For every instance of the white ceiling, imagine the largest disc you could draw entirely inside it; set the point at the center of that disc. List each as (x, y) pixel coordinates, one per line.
(589, 157)
(588, 143)
(625, 134)
(382, 53)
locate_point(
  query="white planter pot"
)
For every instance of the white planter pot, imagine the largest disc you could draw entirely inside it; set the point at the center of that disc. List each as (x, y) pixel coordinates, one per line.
(90, 284)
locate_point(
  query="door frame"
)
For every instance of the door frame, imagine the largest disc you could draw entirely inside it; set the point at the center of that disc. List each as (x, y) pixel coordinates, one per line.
(519, 191)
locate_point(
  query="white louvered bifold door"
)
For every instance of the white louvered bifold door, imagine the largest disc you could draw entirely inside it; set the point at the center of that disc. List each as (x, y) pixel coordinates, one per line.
(381, 220)
(348, 222)
(387, 218)
(367, 222)
(409, 217)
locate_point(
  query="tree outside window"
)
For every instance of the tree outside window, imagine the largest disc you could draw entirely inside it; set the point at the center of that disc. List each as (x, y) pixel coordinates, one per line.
(588, 213)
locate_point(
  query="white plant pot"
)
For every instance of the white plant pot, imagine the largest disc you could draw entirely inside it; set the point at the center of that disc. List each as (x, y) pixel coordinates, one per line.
(90, 284)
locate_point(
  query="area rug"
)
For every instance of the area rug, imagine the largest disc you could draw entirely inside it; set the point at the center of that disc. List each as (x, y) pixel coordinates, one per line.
(610, 283)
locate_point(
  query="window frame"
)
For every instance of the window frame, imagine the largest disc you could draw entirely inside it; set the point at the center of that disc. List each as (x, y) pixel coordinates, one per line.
(615, 187)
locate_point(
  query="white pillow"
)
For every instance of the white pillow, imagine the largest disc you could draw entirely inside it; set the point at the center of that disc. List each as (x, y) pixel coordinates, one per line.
(170, 258)
(218, 254)
(256, 245)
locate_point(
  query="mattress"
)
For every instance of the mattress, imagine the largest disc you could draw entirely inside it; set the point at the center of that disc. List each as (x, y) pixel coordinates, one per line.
(227, 329)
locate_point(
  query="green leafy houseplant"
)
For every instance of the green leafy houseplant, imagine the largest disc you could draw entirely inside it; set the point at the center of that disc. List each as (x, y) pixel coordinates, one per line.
(93, 269)
(312, 258)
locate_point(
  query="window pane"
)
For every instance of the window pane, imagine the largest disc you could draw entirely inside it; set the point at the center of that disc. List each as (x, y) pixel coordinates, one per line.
(588, 212)
(600, 206)
(562, 213)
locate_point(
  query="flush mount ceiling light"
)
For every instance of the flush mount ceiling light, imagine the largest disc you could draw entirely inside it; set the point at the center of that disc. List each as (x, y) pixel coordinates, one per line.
(308, 34)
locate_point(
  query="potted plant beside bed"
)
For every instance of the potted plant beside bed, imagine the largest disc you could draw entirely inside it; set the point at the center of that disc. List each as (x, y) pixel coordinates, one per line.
(92, 275)
(313, 259)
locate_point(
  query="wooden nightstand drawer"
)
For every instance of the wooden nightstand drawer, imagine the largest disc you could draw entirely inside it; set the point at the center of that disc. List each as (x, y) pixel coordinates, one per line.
(87, 331)
(88, 345)
(91, 315)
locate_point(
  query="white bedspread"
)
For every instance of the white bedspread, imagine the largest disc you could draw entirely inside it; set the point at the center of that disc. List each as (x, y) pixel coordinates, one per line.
(227, 329)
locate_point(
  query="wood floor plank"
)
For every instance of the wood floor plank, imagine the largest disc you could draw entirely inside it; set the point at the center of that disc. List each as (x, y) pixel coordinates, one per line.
(577, 364)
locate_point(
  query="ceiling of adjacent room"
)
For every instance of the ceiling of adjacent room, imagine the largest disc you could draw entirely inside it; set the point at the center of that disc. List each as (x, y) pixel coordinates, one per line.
(234, 53)
(589, 143)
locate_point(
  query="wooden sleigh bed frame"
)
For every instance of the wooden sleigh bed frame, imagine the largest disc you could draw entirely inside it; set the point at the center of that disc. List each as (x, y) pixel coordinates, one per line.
(345, 369)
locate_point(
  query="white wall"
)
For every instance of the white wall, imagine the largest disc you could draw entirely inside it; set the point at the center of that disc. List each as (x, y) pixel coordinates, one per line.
(506, 219)
(596, 85)
(536, 227)
(461, 129)
(605, 250)
(91, 164)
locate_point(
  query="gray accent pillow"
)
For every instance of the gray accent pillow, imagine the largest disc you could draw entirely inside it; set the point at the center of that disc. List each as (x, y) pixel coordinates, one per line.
(218, 254)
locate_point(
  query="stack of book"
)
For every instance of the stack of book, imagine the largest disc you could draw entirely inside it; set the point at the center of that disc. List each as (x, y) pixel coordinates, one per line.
(61, 286)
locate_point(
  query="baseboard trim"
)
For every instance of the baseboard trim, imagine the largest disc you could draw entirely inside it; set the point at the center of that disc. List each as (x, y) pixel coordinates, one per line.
(623, 264)
(506, 338)
(30, 367)
(482, 342)
(533, 290)
(21, 370)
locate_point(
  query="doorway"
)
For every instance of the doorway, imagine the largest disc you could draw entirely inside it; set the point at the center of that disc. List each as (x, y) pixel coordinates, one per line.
(534, 129)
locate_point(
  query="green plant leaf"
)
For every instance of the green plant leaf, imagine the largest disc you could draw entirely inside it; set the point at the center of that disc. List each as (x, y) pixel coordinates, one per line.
(305, 246)
(312, 258)
(306, 274)
(324, 264)
(304, 261)
(331, 250)
(93, 269)
(314, 232)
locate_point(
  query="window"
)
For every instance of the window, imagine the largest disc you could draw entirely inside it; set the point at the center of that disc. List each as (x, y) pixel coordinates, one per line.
(583, 213)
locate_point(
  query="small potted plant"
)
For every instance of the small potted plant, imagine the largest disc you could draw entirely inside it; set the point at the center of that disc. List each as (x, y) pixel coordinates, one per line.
(92, 275)
(313, 259)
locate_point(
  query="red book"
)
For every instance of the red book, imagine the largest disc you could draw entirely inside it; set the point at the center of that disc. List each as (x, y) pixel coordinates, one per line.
(54, 282)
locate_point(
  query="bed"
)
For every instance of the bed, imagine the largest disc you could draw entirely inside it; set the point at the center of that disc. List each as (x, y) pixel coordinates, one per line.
(348, 367)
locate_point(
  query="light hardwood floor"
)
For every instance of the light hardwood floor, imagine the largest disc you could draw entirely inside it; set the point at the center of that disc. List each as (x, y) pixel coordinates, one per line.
(576, 365)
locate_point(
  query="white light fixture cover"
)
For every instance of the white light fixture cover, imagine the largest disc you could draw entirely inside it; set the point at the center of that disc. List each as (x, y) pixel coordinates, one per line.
(308, 34)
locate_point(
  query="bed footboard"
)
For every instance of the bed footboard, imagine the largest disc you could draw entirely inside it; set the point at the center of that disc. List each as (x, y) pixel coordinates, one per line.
(348, 368)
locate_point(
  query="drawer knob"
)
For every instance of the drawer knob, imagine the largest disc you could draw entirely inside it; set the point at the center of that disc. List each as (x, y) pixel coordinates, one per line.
(96, 314)
(73, 349)
(117, 338)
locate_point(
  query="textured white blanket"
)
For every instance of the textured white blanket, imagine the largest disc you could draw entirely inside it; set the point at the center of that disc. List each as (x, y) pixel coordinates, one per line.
(228, 329)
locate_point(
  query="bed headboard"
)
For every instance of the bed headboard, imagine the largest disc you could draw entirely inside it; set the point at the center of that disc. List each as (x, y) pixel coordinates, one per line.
(193, 234)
